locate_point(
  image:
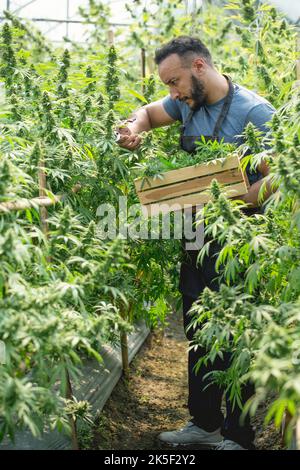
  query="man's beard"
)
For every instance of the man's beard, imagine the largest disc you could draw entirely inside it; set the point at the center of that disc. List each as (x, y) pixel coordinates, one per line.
(198, 94)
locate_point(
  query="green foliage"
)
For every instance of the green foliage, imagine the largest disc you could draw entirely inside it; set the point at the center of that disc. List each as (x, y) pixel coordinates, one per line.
(156, 159)
(64, 295)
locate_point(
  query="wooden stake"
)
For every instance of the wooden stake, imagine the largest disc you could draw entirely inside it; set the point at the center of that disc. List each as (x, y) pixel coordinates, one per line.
(124, 351)
(150, 338)
(193, 17)
(297, 435)
(143, 59)
(23, 204)
(124, 347)
(42, 193)
(110, 38)
(69, 396)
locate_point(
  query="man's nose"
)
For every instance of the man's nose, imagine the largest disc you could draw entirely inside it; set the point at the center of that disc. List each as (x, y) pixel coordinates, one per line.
(174, 93)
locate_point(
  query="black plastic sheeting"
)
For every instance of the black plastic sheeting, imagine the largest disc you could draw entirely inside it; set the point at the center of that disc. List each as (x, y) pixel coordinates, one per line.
(95, 385)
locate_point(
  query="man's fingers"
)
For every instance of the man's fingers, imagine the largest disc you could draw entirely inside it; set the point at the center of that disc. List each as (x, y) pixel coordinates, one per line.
(129, 142)
(122, 139)
(136, 142)
(133, 144)
(126, 139)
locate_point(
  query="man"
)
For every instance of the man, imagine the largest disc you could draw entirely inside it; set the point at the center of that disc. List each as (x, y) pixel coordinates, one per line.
(209, 104)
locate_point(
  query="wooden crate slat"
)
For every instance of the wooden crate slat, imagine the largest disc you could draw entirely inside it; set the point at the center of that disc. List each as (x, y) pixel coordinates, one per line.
(203, 197)
(245, 178)
(188, 187)
(190, 172)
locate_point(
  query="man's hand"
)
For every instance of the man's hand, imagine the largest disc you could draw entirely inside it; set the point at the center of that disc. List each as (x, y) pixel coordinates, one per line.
(251, 198)
(146, 118)
(128, 139)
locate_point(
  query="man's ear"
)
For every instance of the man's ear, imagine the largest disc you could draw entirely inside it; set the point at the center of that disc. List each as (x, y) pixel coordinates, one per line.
(198, 65)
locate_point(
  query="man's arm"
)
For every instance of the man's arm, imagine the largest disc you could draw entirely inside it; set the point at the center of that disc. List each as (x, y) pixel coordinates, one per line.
(259, 116)
(144, 119)
(251, 197)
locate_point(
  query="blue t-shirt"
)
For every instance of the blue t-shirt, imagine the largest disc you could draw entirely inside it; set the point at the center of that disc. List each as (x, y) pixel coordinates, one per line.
(246, 106)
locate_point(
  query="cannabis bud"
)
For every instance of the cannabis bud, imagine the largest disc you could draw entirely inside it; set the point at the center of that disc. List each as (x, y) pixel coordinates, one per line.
(215, 189)
(91, 87)
(112, 79)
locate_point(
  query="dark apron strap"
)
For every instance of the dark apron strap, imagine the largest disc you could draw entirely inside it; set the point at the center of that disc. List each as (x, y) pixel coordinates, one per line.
(225, 108)
(182, 128)
(222, 115)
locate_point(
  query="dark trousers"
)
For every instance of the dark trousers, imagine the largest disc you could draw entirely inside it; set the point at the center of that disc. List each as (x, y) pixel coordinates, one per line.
(205, 403)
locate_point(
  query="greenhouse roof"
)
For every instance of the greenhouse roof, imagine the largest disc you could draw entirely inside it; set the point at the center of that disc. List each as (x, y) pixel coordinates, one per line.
(60, 18)
(51, 16)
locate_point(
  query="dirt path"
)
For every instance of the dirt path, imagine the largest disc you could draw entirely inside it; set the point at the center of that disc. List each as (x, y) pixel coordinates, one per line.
(154, 399)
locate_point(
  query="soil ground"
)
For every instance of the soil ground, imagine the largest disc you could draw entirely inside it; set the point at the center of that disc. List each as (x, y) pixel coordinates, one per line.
(154, 398)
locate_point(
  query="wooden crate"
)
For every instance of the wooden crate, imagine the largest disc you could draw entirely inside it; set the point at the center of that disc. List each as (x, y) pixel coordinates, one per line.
(187, 187)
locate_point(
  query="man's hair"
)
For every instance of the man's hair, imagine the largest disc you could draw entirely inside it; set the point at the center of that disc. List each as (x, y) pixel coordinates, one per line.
(186, 47)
